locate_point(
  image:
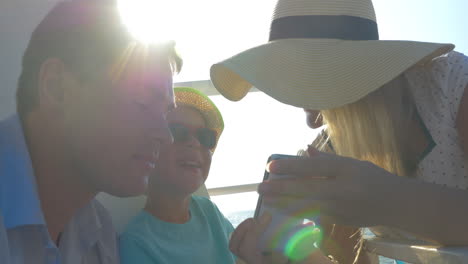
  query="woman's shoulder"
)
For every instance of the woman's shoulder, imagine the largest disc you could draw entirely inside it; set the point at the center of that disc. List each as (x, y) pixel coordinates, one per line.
(440, 83)
(450, 58)
(441, 66)
(443, 70)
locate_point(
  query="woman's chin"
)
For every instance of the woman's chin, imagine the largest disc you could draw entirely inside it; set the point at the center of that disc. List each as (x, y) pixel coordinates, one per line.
(312, 122)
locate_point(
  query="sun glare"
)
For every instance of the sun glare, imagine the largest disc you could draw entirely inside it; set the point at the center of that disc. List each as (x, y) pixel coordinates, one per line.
(150, 21)
(205, 31)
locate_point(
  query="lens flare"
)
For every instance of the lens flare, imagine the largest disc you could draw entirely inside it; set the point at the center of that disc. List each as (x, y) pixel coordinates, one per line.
(303, 243)
(296, 236)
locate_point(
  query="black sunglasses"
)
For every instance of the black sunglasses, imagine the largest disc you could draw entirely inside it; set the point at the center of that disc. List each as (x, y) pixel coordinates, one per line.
(182, 132)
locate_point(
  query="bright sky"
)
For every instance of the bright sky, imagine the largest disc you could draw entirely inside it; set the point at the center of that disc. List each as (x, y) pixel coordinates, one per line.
(255, 127)
(208, 31)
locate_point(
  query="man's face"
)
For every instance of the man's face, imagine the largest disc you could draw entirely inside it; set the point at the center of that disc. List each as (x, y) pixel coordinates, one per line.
(115, 126)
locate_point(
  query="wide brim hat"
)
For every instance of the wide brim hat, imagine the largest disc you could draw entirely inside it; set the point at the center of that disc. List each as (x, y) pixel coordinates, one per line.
(321, 54)
(191, 97)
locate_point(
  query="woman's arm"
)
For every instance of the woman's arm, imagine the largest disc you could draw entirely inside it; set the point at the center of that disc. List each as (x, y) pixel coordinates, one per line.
(432, 212)
(445, 210)
(361, 194)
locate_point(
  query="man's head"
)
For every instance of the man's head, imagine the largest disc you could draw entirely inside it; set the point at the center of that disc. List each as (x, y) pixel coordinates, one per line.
(104, 96)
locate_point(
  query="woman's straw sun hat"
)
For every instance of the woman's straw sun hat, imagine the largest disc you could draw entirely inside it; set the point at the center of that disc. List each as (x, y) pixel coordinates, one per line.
(321, 54)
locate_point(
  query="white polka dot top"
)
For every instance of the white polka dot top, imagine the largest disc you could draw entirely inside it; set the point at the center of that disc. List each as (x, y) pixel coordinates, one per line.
(438, 89)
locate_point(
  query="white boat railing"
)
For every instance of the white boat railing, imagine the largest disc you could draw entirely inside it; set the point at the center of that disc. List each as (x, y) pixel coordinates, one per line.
(233, 189)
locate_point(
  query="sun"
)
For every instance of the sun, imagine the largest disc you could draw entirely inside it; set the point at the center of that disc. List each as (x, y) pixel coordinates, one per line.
(150, 21)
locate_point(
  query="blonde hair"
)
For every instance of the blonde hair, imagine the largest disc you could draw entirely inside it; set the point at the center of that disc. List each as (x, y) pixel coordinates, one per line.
(373, 128)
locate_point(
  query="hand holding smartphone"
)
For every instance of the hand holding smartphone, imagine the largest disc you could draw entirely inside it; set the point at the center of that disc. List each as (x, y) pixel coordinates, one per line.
(283, 229)
(259, 210)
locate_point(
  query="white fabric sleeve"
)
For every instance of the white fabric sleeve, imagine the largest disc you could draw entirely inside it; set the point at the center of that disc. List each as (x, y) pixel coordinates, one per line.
(450, 72)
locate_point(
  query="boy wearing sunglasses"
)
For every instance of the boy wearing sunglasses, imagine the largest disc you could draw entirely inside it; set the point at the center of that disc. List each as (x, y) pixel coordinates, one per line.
(176, 226)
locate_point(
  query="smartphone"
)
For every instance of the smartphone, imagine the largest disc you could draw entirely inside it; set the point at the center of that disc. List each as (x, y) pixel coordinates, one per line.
(259, 208)
(282, 225)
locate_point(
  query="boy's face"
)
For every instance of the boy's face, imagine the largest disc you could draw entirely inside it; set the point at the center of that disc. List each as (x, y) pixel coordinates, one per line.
(184, 164)
(115, 126)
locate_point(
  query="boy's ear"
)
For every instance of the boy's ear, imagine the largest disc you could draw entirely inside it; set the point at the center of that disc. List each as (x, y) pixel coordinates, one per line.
(51, 83)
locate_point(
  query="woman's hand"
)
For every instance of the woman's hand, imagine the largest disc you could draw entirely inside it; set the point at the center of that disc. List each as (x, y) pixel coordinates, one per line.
(350, 191)
(245, 239)
(245, 245)
(245, 242)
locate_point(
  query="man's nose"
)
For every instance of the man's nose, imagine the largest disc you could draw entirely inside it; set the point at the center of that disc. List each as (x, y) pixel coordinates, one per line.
(160, 131)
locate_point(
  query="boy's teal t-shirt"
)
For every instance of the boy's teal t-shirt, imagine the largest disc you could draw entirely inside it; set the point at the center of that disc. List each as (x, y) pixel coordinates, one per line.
(203, 239)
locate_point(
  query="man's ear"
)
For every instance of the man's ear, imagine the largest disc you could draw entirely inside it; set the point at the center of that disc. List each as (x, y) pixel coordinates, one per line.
(51, 83)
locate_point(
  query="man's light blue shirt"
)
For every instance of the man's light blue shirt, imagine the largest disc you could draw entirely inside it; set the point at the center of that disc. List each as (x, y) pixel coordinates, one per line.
(24, 238)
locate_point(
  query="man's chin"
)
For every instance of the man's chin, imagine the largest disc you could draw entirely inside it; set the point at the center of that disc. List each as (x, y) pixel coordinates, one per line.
(130, 189)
